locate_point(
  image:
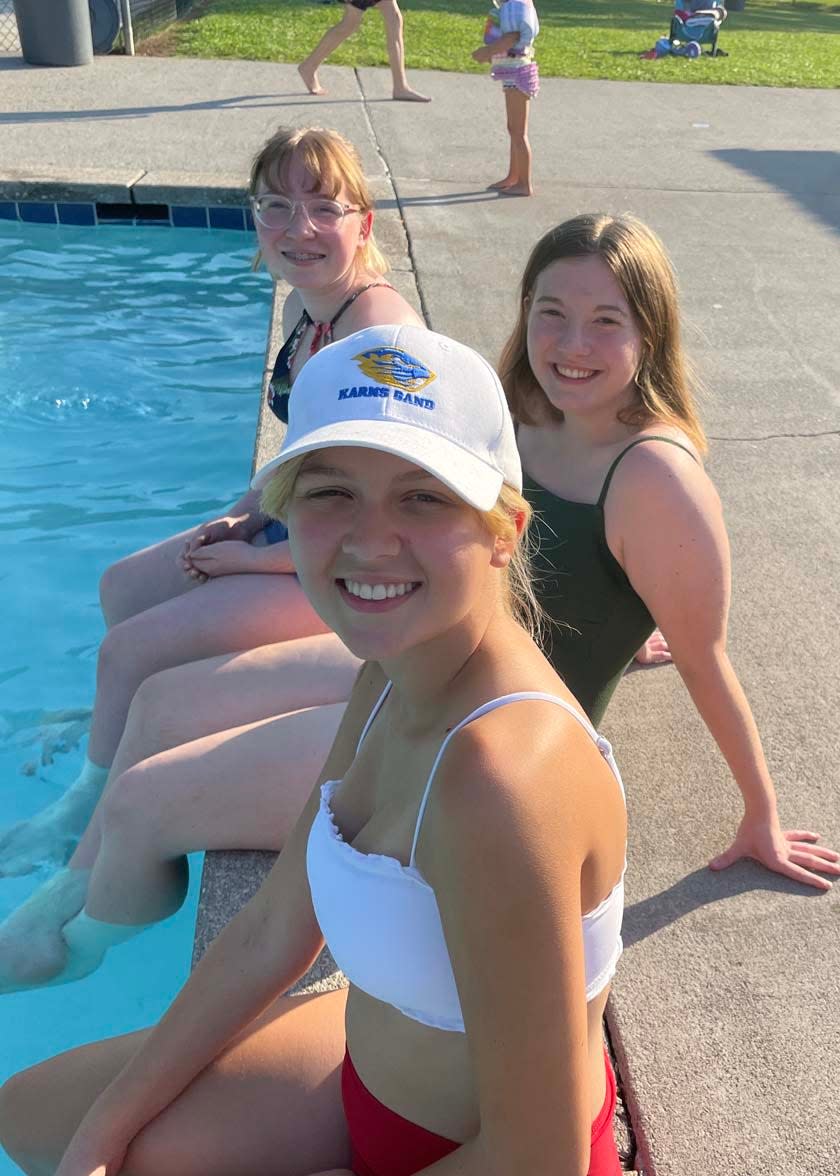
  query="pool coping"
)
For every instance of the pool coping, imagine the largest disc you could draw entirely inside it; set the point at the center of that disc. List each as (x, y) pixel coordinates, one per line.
(93, 196)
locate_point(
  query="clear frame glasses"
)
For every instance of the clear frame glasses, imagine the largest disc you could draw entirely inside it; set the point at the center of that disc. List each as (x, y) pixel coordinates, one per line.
(276, 212)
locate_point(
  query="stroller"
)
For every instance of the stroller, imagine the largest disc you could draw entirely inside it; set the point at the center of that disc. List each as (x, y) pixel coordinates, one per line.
(699, 21)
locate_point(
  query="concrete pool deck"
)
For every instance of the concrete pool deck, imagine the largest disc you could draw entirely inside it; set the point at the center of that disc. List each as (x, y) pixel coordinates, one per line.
(725, 1011)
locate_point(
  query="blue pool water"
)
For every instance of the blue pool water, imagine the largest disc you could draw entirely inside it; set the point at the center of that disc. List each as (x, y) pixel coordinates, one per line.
(130, 361)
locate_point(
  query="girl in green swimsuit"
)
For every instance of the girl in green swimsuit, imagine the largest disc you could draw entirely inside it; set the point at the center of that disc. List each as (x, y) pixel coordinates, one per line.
(631, 528)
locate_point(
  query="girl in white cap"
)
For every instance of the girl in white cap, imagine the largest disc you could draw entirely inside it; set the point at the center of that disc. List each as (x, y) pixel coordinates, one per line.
(462, 852)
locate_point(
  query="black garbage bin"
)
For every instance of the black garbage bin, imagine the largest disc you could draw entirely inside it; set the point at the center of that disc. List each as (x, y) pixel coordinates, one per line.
(54, 32)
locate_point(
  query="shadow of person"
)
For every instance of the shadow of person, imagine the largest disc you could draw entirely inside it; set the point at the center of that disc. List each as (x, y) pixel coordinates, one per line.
(702, 888)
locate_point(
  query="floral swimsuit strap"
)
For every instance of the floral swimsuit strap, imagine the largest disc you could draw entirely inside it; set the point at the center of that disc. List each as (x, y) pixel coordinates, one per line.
(280, 385)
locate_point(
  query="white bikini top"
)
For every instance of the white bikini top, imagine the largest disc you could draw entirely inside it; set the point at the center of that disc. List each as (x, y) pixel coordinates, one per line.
(381, 918)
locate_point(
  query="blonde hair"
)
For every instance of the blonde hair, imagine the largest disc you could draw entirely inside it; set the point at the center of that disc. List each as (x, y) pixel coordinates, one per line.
(665, 384)
(332, 163)
(519, 597)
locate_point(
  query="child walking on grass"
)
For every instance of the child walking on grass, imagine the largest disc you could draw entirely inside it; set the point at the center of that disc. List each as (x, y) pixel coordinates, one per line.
(354, 11)
(509, 47)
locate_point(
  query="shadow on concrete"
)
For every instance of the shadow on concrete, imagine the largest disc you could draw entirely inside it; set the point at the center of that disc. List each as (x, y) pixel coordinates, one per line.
(238, 102)
(700, 888)
(812, 178)
(477, 197)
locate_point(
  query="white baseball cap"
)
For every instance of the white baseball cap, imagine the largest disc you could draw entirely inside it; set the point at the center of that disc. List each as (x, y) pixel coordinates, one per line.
(413, 393)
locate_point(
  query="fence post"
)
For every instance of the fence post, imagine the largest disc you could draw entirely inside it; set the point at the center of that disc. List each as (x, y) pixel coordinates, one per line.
(128, 31)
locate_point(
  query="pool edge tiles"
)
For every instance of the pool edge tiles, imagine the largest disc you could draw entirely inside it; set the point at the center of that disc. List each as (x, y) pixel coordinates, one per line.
(85, 213)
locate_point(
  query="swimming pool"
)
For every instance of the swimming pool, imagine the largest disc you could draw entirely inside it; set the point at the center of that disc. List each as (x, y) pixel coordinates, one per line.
(130, 361)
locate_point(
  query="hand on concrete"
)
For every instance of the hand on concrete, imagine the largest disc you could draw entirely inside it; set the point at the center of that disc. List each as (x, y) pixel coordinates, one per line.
(791, 852)
(655, 651)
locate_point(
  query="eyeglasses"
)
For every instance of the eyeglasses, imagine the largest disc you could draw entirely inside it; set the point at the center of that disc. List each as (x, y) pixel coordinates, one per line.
(276, 212)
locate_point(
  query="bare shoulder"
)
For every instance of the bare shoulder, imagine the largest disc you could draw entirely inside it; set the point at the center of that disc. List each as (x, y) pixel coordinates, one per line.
(659, 478)
(378, 305)
(527, 765)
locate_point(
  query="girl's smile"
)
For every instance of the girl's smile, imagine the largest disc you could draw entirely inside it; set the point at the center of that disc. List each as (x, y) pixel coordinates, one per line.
(583, 343)
(300, 253)
(374, 535)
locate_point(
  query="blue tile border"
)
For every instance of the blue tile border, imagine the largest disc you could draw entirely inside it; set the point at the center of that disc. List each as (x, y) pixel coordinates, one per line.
(227, 218)
(76, 214)
(184, 216)
(37, 212)
(73, 212)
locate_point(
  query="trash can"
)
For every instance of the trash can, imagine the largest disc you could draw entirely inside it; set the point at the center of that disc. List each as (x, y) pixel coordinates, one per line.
(54, 32)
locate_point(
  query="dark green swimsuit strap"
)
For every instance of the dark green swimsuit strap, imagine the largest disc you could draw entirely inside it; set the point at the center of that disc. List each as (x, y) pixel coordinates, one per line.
(639, 441)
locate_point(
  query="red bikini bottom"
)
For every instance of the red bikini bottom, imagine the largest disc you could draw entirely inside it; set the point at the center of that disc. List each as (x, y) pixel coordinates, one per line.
(383, 1143)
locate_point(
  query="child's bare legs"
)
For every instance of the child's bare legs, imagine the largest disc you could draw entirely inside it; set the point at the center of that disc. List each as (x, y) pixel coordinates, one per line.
(241, 789)
(281, 1073)
(517, 182)
(332, 38)
(393, 19)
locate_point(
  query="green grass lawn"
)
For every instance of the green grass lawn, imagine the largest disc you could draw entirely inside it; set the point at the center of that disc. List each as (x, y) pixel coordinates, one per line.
(770, 43)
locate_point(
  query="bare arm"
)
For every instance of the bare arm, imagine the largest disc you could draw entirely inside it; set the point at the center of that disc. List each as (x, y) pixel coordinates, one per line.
(511, 909)
(496, 48)
(260, 953)
(665, 525)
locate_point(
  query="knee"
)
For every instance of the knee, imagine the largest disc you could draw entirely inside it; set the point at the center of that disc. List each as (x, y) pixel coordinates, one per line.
(125, 815)
(128, 653)
(19, 1133)
(393, 18)
(153, 722)
(113, 586)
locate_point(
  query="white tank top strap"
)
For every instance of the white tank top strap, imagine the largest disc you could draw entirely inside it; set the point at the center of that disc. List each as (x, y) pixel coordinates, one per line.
(373, 714)
(485, 708)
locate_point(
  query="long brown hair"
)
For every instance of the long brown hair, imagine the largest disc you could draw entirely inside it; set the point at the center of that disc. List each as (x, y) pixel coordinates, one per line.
(664, 382)
(332, 162)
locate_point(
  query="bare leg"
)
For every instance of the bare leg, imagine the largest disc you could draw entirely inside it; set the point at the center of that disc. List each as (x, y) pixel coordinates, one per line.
(393, 19)
(241, 789)
(518, 180)
(226, 615)
(332, 38)
(143, 579)
(270, 1103)
(202, 698)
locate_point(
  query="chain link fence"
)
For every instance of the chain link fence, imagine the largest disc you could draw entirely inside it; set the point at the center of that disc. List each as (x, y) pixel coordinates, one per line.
(9, 42)
(147, 17)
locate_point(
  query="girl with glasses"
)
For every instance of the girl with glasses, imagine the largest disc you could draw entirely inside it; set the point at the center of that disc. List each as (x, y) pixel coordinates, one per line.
(196, 602)
(462, 852)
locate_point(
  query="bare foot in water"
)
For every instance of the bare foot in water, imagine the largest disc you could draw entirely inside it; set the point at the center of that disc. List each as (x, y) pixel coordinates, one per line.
(32, 948)
(409, 95)
(310, 79)
(48, 837)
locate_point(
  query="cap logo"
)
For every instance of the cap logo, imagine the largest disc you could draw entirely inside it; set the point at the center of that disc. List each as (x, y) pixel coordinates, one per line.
(389, 365)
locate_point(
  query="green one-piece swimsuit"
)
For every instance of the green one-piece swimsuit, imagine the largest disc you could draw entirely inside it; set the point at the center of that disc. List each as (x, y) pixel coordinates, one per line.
(599, 618)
